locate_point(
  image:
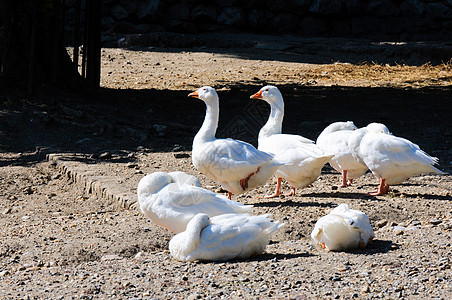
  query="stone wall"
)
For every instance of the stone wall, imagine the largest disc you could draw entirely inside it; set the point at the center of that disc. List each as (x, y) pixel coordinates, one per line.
(400, 19)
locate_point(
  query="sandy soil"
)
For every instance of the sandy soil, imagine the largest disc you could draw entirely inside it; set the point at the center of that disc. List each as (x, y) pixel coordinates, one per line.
(59, 243)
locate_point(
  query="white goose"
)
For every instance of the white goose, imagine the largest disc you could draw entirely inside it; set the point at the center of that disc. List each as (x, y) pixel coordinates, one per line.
(303, 160)
(171, 199)
(223, 237)
(343, 229)
(236, 165)
(334, 138)
(391, 159)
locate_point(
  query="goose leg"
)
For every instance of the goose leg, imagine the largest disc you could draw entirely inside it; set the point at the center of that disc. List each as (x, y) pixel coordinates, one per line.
(229, 195)
(244, 181)
(382, 189)
(291, 193)
(277, 190)
(344, 179)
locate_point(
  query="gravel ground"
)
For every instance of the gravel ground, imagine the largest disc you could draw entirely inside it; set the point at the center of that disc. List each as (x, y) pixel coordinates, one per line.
(59, 242)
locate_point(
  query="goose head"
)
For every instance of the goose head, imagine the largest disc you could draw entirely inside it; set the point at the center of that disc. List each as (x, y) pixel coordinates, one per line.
(270, 94)
(377, 128)
(205, 93)
(198, 223)
(152, 183)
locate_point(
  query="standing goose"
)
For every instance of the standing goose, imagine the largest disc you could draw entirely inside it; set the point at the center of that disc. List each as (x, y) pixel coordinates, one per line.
(223, 237)
(343, 229)
(303, 160)
(171, 199)
(391, 159)
(334, 138)
(236, 165)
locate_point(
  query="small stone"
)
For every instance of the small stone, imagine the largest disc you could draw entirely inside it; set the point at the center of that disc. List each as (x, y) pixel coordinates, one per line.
(132, 165)
(159, 129)
(181, 155)
(399, 232)
(184, 278)
(7, 211)
(415, 223)
(55, 177)
(381, 223)
(192, 297)
(111, 257)
(105, 155)
(435, 221)
(365, 289)
(3, 273)
(28, 190)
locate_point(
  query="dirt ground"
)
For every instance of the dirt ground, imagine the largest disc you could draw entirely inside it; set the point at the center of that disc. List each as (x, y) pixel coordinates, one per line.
(57, 242)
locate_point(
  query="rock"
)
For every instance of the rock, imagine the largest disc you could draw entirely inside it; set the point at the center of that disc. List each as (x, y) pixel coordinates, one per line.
(365, 289)
(355, 7)
(226, 3)
(118, 12)
(381, 223)
(284, 22)
(28, 190)
(435, 221)
(232, 16)
(124, 27)
(365, 25)
(181, 155)
(326, 7)
(204, 14)
(107, 23)
(277, 5)
(179, 11)
(383, 8)
(159, 129)
(412, 8)
(111, 257)
(436, 10)
(178, 148)
(6, 211)
(415, 223)
(256, 20)
(130, 6)
(105, 155)
(148, 8)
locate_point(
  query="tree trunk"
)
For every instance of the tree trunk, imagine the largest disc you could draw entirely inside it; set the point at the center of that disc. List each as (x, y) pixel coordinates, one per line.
(32, 51)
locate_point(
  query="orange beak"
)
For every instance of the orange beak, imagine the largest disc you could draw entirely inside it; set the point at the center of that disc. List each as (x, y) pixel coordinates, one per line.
(258, 95)
(194, 94)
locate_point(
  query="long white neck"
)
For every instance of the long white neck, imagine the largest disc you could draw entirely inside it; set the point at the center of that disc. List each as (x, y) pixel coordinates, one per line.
(193, 233)
(354, 142)
(209, 127)
(274, 123)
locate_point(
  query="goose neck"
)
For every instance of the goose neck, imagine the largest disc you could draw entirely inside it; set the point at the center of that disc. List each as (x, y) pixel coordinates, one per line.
(209, 127)
(275, 120)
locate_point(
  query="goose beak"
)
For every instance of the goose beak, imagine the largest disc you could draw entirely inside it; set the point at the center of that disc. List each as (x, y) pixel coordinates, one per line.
(258, 95)
(194, 94)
